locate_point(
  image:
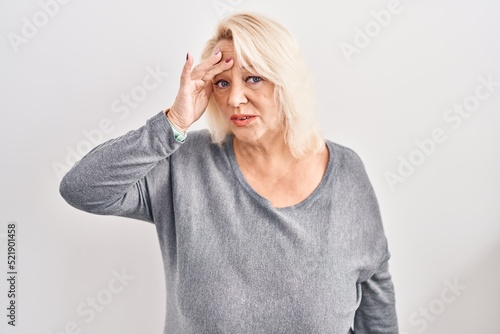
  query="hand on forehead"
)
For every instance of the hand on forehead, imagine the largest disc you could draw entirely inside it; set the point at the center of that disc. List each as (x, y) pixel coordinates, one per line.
(228, 51)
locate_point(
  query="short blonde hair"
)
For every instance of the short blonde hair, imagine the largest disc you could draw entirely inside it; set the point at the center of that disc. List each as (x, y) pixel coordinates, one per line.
(274, 54)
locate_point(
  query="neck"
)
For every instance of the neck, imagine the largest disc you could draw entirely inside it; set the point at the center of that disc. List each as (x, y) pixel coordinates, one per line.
(272, 152)
(274, 173)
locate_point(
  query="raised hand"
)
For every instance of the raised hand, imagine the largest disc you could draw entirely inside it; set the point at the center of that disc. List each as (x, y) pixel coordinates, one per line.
(195, 89)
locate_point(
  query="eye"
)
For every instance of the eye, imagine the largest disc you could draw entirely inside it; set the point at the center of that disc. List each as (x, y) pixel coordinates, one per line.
(254, 79)
(222, 84)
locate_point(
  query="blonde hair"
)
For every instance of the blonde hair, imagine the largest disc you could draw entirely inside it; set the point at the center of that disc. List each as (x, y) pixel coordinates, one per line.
(273, 53)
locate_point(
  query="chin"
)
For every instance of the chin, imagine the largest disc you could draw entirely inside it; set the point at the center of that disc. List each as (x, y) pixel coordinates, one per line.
(247, 136)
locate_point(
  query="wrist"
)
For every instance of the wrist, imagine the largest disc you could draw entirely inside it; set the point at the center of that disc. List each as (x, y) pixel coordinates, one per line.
(173, 120)
(178, 133)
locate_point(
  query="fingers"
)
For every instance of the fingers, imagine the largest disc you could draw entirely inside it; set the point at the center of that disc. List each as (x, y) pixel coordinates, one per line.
(206, 70)
(207, 64)
(211, 67)
(186, 70)
(218, 68)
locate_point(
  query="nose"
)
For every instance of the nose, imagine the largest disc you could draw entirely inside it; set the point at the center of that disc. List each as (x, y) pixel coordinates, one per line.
(237, 95)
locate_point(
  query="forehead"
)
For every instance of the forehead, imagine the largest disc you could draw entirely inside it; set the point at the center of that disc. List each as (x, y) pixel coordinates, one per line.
(227, 49)
(225, 45)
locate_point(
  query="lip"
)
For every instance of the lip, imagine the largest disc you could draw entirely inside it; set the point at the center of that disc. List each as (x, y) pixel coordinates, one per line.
(241, 120)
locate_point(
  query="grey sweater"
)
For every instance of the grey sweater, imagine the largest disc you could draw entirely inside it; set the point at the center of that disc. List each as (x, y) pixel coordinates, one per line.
(234, 263)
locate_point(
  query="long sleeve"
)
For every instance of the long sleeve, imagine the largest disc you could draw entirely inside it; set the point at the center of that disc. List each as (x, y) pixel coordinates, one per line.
(111, 179)
(234, 263)
(377, 313)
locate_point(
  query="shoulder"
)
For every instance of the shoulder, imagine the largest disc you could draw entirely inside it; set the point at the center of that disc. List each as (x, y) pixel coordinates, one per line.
(350, 177)
(200, 149)
(360, 201)
(197, 138)
(345, 152)
(200, 141)
(347, 161)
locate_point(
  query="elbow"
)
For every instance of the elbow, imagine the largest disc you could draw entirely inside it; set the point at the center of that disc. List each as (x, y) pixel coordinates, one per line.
(81, 195)
(68, 189)
(73, 190)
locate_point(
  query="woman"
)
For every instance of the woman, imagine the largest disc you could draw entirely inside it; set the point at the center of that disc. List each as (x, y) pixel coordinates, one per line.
(264, 226)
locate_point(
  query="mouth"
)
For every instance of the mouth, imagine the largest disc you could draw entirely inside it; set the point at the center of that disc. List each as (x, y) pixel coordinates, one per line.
(242, 120)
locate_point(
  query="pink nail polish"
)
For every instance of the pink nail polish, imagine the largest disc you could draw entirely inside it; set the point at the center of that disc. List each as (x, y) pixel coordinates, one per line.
(229, 59)
(217, 52)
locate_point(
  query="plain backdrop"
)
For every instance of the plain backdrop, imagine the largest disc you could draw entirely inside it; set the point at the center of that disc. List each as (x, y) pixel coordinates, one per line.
(76, 73)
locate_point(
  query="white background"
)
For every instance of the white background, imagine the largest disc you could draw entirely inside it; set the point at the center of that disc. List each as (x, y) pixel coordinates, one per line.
(442, 222)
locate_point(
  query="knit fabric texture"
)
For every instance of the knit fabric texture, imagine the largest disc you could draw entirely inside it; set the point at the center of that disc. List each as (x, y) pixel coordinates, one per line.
(233, 262)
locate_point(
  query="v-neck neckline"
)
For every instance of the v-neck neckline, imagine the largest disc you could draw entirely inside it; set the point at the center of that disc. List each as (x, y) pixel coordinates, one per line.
(309, 199)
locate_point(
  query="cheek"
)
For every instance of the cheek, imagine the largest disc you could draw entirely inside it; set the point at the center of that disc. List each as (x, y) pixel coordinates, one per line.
(219, 101)
(270, 104)
(268, 99)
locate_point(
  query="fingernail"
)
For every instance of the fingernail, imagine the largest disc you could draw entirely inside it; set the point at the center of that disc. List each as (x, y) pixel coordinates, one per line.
(217, 52)
(187, 56)
(229, 59)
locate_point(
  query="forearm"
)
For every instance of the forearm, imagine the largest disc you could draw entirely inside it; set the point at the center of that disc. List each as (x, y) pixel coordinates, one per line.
(108, 179)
